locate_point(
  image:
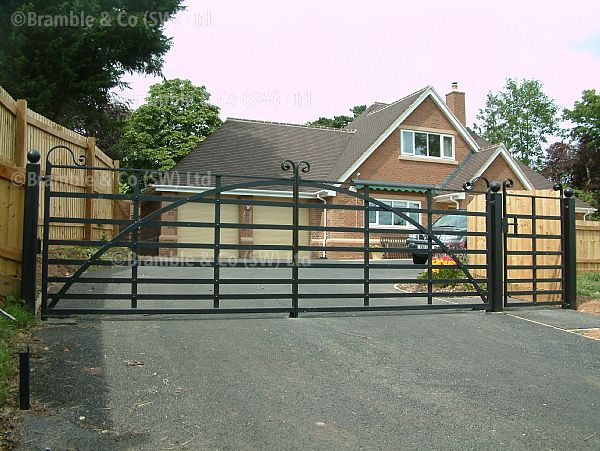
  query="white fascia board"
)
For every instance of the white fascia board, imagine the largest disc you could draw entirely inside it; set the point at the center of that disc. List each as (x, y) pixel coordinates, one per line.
(449, 197)
(439, 102)
(511, 163)
(237, 192)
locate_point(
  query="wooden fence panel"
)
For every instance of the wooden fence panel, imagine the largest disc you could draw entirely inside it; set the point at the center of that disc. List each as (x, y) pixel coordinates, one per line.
(477, 224)
(588, 246)
(543, 207)
(22, 129)
(8, 124)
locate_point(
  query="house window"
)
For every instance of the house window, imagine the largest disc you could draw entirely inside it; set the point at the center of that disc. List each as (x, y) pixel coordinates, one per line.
(380, 218)
(424, 144)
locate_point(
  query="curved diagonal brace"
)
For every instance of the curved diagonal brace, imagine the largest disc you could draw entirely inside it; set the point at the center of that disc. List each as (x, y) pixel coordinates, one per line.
(136, 225)
(418, 226)
(290, 165)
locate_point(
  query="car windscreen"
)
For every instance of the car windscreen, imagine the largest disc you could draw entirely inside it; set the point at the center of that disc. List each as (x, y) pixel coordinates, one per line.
(454, 221)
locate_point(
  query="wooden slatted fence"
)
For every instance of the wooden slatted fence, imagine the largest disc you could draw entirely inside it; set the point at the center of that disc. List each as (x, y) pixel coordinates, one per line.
(588, 241)
(22, 129)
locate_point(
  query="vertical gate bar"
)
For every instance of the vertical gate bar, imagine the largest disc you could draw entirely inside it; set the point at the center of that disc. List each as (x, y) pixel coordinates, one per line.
(504, 243)
(429, 248)
(562, 243)
(30, 229)
(135, 235)
(366, 248)
(570, 260)
(295, 215)
(46, 237)
(534, 250)
(217, 243)
(494, 265)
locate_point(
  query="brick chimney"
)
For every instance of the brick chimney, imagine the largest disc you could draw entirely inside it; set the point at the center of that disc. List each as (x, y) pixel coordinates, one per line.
(455, 100)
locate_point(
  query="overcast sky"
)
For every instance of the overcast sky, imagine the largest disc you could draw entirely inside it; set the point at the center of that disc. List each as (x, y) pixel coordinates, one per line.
(293, 61)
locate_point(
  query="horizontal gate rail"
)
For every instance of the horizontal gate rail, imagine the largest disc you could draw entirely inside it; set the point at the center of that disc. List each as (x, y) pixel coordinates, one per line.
(250, 296)
(234, 225)
(276, 281)
(239, 310)
(246, 264)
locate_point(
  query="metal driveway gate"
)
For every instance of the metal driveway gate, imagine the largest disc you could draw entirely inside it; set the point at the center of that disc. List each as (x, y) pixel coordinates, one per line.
(306, 290)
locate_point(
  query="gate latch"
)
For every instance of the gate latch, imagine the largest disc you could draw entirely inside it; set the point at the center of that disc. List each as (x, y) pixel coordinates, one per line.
(506, 224)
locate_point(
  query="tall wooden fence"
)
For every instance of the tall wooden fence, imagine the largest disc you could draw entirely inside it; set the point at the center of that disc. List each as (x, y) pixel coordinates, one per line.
(588, 240)
(588, 246)
(22, 129)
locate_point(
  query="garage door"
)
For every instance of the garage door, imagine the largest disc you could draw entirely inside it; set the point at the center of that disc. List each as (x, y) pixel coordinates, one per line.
(278, 215)
(205, 235)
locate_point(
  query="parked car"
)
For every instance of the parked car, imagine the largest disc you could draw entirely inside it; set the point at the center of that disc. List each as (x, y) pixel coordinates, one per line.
(418, 242)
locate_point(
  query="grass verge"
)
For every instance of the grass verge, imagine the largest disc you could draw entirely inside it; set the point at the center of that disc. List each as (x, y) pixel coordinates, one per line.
(10, 334)
(588, 285)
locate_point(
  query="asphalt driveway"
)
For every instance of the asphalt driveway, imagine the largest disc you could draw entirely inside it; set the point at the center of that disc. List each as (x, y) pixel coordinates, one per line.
(257, 278)
(444, 380)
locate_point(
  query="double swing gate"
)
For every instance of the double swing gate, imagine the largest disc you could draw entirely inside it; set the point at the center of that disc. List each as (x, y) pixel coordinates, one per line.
(314, 261)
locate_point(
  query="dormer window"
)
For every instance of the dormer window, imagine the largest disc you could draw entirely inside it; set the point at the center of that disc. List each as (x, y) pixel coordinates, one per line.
(425, 144)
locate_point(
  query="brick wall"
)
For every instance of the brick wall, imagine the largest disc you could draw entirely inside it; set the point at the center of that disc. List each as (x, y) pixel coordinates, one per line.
(500, 170)
(387, 164)
(355, 218)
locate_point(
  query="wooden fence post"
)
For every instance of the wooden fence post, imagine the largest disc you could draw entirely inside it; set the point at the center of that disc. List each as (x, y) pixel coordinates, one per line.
(20, 133)
(89, 186)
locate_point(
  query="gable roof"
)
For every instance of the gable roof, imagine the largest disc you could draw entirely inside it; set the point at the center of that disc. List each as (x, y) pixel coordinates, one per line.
(246, 147)
(240, 146)
(481, 142)
(476, 163)
(251, 147)
(380, 120)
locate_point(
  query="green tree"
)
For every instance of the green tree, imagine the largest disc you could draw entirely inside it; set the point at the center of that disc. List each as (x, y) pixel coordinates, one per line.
(65, 70)
(521, 116)
(584, 169)
(339, 121)
(586, 117)
(174, 119)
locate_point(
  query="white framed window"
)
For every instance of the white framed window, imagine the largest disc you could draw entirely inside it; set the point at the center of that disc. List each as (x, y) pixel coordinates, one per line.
(426, 144)
(387, 219)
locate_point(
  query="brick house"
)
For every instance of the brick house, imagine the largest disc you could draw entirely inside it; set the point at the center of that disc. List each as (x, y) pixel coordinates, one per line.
(417, 140)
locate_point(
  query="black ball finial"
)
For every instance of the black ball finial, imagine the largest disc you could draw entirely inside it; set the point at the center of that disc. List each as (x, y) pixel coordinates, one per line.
(569, 192)
(495, 186)
(33, 156)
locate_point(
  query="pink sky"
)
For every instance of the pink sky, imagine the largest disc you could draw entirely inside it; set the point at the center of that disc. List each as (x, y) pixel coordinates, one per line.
(293, 61)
